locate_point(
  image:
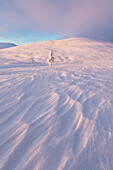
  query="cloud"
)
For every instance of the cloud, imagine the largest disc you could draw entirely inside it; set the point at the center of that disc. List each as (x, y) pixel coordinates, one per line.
(63, 17)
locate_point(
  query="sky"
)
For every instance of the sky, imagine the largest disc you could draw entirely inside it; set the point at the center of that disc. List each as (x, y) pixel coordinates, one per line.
(28, 21)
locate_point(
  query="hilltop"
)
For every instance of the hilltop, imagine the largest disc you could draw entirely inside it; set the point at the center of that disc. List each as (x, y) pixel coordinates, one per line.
(6, 45)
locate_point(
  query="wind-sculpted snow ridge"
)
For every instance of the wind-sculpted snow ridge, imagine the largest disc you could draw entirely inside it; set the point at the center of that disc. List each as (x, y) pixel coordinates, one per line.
(58, 118)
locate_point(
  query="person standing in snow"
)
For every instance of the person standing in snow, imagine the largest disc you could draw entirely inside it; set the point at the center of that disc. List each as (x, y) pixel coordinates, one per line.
(50, 58)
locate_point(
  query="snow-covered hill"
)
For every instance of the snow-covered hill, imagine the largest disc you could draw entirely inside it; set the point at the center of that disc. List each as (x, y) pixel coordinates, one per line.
(58, 118)
(6, 45)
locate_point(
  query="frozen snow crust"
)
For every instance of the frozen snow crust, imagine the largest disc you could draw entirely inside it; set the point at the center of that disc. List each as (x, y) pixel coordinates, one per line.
(59, 117)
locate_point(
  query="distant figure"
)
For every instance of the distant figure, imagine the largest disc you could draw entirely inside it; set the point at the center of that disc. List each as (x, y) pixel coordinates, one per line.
(50, 58)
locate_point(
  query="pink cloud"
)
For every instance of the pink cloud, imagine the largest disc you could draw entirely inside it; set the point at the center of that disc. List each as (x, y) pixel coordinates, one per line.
(65, 17)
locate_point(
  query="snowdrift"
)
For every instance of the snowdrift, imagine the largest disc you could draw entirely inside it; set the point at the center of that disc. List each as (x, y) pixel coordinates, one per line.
(59, 117)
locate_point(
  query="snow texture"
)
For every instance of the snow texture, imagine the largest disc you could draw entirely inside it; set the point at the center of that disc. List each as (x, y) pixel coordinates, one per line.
(59, 117)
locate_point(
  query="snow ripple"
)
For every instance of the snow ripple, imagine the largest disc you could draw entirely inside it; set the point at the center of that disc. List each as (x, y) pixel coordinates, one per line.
(59, 117)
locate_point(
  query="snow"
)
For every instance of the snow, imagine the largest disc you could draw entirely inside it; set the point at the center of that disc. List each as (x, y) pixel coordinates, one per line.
(59, 117)
(6, 45)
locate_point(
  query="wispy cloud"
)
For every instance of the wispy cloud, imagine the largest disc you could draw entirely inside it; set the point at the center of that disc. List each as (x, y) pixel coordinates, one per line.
(63, 17)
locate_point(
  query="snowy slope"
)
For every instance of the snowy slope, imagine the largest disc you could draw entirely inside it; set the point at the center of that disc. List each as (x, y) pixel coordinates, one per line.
(6, 45)
(58, 118)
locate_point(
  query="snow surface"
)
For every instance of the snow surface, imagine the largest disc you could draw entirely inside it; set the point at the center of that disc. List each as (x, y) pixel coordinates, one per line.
(6, 45)
(59, 117)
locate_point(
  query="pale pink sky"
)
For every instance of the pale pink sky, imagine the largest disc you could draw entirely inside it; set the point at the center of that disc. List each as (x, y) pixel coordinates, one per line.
(92, 18)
